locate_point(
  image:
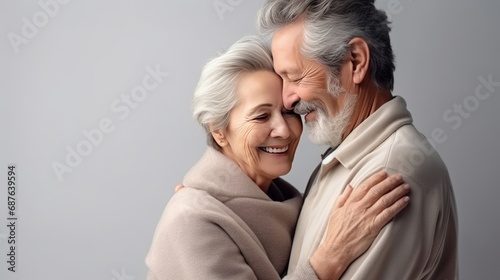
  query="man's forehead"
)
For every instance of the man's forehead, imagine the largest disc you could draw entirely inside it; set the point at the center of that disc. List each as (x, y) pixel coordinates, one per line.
(285, 48)
(288, 36)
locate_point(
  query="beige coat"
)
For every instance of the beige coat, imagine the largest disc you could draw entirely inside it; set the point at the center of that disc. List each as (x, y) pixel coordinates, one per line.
(222, 226)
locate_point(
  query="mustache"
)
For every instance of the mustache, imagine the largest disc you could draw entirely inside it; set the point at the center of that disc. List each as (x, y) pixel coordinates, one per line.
(304, 107)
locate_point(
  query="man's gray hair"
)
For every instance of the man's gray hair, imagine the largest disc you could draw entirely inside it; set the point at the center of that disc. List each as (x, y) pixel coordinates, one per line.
(215, 96)
(329, 25)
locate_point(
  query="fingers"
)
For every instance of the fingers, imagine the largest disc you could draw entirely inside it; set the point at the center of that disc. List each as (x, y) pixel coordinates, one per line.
(391, 197)
(378, 191)
(391, 204)
(384, 199)
(367, 184)
(341, 200)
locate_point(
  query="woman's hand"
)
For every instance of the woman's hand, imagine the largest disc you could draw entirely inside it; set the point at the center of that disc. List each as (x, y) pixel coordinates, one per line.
(357, 217)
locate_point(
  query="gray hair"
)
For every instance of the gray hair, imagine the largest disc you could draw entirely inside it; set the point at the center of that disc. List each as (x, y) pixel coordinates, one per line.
(329, 25)
(215, 96)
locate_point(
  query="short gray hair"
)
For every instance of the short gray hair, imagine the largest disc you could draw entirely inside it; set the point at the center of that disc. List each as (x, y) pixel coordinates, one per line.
(329, 25)
(215, 96)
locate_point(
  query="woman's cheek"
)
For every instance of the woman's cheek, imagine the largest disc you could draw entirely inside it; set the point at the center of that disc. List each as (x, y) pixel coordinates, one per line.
(295, 124)
(250, 147)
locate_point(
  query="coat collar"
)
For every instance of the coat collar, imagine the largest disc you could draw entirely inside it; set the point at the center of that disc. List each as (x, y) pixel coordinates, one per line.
(224, 180)
(370, 133)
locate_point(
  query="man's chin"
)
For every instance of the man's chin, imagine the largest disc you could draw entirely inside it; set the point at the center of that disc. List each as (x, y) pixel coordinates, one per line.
(315, 135)
(319, 136)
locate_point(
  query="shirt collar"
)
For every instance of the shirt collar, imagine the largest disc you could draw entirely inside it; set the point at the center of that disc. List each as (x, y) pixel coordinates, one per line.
(370, 133)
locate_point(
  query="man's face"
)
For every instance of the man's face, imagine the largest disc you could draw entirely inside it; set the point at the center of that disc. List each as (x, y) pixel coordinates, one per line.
(305, 88)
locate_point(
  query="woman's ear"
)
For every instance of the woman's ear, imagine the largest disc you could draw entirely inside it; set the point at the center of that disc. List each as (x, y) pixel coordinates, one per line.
(360, 59)
(219, 137)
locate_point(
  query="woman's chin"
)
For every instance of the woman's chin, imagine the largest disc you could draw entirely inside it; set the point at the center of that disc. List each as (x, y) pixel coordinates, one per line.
(278, 171)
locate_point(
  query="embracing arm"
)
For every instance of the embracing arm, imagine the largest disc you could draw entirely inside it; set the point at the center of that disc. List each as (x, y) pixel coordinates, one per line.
(358, 216)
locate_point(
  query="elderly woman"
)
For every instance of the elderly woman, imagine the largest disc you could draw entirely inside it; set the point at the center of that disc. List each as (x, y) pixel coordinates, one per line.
(235, 217)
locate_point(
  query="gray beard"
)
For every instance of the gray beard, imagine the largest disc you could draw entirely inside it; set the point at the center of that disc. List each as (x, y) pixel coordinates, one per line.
(325, 129)
(329, 130)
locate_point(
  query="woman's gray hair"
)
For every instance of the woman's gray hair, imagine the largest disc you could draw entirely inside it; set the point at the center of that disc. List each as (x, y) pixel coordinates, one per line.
(329, 25)
(215, 96)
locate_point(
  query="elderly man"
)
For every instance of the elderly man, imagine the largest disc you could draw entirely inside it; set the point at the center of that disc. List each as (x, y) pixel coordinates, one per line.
(336, 62)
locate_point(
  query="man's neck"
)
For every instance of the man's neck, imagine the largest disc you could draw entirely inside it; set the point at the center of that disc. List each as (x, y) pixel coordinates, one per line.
(369, 100)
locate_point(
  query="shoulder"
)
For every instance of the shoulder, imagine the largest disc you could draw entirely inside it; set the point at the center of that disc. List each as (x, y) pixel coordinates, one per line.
(188, 208)
(190, 204)
(194, 229)
(409, 152)
(191, 220)
(197, 210)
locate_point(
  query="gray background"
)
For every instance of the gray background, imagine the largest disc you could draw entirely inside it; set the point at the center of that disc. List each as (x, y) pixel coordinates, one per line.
(98, 221)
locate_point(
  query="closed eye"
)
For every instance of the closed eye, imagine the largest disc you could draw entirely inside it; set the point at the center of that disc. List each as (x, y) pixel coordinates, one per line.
(296, 80)
(261, 117)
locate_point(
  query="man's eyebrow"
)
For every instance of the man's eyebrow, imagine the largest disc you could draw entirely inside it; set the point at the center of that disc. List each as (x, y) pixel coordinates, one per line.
(258, 107)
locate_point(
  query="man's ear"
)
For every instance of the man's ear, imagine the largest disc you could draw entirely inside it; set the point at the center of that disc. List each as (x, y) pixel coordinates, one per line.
(219, 136)
(360, 59)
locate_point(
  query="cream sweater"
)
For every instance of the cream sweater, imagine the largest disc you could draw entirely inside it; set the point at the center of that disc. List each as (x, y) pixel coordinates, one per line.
(223, 226)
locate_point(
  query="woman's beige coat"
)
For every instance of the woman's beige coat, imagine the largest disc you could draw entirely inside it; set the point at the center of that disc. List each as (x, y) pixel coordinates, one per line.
(223, 226)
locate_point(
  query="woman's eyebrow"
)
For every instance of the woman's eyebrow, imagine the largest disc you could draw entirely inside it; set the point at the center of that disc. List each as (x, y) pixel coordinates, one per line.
(258, 107)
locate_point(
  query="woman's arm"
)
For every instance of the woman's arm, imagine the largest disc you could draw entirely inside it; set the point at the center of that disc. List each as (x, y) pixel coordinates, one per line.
(356, 219)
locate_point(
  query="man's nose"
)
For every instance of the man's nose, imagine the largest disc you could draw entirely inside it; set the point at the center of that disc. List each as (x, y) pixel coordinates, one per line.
(290, 97)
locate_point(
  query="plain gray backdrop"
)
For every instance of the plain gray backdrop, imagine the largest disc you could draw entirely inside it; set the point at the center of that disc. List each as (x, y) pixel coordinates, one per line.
(68, 68)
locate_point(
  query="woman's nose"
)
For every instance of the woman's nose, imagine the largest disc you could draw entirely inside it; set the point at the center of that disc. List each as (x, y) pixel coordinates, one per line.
(280, 128)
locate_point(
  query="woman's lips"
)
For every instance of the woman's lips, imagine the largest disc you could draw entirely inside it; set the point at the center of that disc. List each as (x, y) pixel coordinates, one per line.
(272, 150)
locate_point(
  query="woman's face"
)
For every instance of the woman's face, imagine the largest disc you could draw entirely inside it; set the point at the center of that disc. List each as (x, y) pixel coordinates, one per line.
(261, 136)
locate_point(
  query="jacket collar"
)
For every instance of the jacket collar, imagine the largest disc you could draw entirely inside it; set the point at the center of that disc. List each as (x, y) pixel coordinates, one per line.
(222, 178)
(370, 133)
